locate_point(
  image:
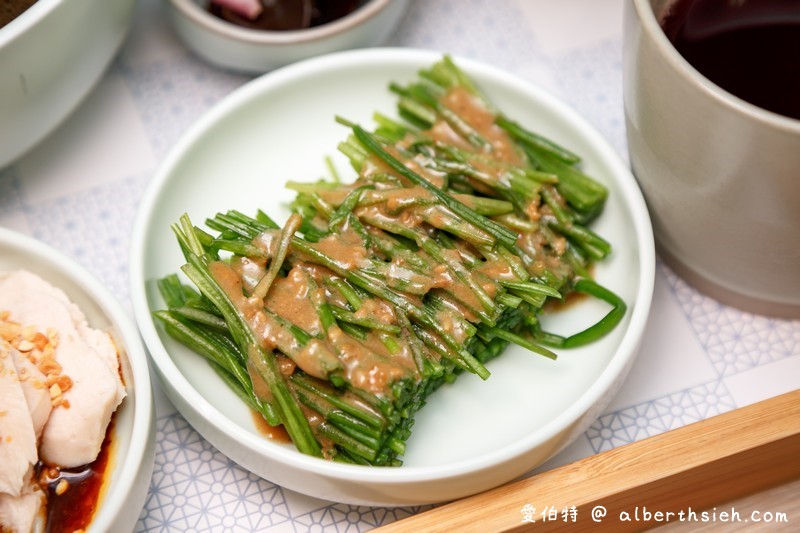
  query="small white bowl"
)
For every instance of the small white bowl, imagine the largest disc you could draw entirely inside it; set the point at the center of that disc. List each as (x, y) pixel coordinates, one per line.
(234, 47)
(131, 462)
(471, 436)
(51, 56)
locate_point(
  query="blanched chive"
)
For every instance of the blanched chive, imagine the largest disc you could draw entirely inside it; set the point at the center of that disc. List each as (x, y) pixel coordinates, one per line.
(521, 341)
(532, 287)
(346, 316)
(346, 207)
(284, 240)
(502, 234)
(536, 140)
(597, 330)
(293, 419)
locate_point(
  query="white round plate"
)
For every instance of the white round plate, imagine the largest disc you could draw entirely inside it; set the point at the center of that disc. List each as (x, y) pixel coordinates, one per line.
(131, 462)
(472, 435)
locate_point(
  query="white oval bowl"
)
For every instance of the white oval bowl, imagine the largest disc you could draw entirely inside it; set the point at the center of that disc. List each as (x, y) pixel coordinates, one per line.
(51, 57)
(471, 436)
(249, 50)
(131, 461)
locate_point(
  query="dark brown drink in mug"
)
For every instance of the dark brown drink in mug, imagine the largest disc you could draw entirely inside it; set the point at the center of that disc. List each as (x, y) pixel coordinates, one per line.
(750, 48)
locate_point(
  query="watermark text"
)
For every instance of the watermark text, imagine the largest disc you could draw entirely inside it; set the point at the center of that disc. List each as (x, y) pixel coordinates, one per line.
(643, 514)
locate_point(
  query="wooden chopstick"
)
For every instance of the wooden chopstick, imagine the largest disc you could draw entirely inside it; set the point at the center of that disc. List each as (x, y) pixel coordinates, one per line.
(691, 468)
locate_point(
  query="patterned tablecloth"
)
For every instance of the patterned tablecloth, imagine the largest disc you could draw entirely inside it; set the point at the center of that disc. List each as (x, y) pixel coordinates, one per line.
(79, 191)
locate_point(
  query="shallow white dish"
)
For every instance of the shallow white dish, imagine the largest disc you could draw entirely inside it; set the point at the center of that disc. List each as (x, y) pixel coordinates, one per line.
(51, 57)
(131, 462)
(471, 436)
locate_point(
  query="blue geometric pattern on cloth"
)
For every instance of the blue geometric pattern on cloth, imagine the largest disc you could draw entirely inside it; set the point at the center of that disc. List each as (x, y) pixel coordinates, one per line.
(69, 223)
(352, 519)
(657, 416)
(734, 341)
(197, 488)
(153, 87)
(466, 28)
(592, 85)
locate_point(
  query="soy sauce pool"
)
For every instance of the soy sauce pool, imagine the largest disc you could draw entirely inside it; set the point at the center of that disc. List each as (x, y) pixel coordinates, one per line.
(73, 509)
(750, 48)
(11, 9)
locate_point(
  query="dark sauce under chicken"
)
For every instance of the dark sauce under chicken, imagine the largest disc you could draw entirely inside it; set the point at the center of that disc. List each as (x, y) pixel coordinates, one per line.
(73, 494)
(11, 9)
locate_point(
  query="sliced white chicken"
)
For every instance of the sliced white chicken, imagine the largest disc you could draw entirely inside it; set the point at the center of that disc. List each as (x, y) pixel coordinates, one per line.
(17, 436)
(77, 425)
(24, 513)
(35, 389)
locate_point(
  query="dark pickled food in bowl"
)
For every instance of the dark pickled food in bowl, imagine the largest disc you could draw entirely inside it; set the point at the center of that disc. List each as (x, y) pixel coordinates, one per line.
(281, 15)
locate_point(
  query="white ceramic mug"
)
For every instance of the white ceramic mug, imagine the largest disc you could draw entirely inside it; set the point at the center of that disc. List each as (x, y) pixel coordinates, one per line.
(721, 176)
